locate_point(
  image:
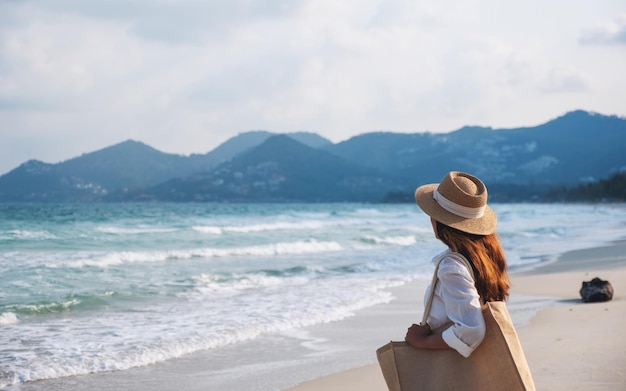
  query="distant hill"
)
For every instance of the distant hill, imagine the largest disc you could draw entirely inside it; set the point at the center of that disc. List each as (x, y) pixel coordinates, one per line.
(124, 166)
(248, 140)
(612, 189)
(281, 169)
(519, 164)
(129, 164)
(578, 146)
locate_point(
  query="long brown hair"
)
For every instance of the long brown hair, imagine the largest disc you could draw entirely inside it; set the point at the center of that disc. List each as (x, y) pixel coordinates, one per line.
(487, 259)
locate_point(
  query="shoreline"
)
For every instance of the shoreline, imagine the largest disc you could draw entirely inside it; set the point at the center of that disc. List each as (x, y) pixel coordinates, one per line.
(561, 357)
(570, 345)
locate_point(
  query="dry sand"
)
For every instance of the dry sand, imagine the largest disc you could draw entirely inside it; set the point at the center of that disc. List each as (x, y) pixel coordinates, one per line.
(571, 346)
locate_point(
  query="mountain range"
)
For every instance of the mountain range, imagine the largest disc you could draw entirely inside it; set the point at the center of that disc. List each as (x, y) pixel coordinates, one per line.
(517, 164)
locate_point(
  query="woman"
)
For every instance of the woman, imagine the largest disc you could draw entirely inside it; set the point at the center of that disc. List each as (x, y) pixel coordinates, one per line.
(464, 222)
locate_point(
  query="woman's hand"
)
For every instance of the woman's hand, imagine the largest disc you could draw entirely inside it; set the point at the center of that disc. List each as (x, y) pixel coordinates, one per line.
(417, 334)
(421, 337)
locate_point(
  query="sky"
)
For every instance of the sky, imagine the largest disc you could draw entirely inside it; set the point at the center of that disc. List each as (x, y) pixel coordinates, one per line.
(184, 76)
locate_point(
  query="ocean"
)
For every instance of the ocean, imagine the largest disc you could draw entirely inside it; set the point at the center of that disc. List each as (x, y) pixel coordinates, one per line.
(94, 288)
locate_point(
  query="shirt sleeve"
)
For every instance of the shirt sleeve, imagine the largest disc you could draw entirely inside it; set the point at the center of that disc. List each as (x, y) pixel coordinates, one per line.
(463, 307)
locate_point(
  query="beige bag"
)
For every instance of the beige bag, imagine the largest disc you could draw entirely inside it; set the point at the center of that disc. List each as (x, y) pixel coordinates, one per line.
(497, 364)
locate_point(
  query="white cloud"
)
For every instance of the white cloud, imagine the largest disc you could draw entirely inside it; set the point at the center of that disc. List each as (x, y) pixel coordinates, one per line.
(184, 76)
(608, 33)
(564, 81)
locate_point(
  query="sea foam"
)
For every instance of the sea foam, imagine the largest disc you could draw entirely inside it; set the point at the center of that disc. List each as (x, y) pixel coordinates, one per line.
(7, 318)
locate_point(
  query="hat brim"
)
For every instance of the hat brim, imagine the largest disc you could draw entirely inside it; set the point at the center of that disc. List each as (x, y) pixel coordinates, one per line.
(485, 225)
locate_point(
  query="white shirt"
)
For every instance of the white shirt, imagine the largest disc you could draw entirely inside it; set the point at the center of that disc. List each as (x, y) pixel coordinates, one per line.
(456, 300)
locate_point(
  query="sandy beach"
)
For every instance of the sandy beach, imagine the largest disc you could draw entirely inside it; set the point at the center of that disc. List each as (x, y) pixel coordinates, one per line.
(569, 346)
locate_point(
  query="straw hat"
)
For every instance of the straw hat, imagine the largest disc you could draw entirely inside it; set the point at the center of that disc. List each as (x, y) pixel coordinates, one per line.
(459, 201)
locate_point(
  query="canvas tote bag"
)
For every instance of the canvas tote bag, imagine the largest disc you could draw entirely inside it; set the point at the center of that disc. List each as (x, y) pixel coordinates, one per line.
(497, 364)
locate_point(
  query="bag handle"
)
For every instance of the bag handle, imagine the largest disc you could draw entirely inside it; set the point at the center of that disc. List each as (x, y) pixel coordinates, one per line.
(431, 295)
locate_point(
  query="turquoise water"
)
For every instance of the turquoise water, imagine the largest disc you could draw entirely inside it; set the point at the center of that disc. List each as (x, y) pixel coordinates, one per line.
(92, 288)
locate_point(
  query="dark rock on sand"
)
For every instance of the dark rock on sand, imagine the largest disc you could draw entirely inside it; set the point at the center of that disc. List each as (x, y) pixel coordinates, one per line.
(596, 290)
